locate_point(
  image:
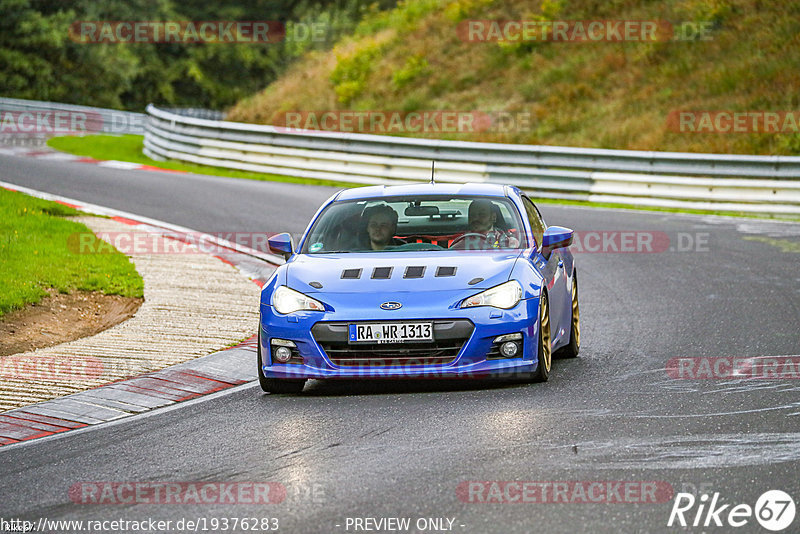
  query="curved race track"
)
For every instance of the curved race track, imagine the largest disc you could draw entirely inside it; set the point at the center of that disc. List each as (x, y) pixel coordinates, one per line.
(355, 450)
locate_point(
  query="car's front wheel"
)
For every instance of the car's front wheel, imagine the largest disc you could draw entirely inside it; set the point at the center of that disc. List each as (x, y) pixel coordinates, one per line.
(544, 351)
(275, 385)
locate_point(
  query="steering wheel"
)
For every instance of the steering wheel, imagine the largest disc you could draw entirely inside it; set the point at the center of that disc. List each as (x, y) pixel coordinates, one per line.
(461, 238)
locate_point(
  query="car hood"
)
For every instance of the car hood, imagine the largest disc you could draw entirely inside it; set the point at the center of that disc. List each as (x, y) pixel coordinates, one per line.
(394, 272)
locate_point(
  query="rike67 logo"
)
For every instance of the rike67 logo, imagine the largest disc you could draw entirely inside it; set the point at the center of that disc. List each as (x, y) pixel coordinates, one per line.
(774, 510)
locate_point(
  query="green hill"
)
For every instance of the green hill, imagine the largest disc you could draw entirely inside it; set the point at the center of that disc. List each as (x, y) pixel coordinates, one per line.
(605, 94)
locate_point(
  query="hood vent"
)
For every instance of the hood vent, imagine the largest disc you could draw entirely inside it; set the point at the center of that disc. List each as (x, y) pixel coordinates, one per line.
(385, 273)
(351, 274)
(381, 273)
(445, 271)
(414, 272)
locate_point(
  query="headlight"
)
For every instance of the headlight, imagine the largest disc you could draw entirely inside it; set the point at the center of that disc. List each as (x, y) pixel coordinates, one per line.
(287, 300)
(504, 296)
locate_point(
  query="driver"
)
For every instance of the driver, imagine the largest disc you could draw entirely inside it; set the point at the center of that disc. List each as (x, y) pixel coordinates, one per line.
(482, 218)
(381, 223)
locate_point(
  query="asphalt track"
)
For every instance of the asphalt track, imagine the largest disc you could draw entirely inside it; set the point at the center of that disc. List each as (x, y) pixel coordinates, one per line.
(401, 449)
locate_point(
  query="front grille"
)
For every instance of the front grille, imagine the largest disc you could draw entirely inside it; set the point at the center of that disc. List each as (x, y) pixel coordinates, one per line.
(449, 337)
(381, 355)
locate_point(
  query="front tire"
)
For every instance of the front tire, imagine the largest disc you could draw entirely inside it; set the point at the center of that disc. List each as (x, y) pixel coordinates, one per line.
(545, 359)
(572, 349)
(275, 385)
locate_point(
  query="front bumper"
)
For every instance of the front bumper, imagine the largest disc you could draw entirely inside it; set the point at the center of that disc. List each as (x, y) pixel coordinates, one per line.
(311, 332)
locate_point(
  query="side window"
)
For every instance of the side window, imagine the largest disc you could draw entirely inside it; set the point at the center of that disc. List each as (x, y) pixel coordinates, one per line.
(537, 224)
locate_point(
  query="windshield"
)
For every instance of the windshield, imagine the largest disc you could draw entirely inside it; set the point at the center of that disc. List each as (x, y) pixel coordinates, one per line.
(416, 223)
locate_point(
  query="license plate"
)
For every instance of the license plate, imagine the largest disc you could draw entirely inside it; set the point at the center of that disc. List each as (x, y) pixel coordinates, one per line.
(390, 332)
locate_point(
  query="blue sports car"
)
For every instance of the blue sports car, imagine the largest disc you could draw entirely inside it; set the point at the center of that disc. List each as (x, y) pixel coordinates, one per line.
(424, 280)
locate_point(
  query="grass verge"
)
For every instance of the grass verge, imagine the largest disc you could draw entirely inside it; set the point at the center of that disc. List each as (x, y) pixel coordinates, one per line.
(35, 255)
(129, 148)
(578, 91)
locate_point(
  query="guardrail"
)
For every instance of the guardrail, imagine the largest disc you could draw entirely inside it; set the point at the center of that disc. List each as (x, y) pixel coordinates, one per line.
(762, 184)
(50, 118)
(198, 113)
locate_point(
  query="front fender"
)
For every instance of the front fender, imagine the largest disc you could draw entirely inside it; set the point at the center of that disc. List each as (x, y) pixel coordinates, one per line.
(528, 275)
(278, 278)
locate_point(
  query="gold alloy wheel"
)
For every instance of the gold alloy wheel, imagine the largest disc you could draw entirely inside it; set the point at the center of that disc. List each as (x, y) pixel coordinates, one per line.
(576, 314)
(544, 332)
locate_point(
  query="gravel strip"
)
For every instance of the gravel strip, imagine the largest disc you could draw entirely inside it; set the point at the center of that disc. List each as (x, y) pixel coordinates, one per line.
(195, 304)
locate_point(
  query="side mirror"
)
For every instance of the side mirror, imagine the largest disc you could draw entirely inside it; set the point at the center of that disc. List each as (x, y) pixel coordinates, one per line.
(281, 244)
(556, 237)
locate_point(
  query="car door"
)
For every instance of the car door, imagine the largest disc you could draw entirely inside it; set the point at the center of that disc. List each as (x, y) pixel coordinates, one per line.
(554, 273)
